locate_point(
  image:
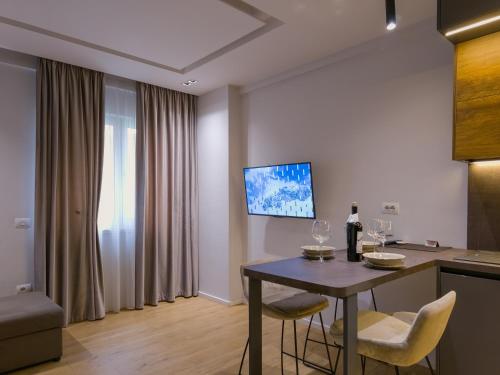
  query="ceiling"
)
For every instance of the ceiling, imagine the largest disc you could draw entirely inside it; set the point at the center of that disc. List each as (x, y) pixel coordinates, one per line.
(217, 42)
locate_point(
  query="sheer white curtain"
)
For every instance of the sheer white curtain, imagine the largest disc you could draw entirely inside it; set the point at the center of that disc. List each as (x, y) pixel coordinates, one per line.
(116, 219)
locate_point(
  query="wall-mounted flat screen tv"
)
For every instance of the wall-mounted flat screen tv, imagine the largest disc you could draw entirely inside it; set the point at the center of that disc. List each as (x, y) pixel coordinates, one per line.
(284, 190)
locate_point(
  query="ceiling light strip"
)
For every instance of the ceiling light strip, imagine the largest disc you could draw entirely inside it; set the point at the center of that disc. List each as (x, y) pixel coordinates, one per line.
(473, 25)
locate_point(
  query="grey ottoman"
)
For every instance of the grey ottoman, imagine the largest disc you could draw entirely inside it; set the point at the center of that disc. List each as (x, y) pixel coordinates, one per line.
(30, 330)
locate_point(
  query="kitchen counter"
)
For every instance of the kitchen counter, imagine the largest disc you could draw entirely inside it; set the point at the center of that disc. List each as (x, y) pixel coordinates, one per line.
(446, 260)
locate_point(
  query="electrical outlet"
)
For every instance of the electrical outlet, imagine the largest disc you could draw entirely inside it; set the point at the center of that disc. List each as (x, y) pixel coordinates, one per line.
(24, 288)
(390, 208)
(22, 222)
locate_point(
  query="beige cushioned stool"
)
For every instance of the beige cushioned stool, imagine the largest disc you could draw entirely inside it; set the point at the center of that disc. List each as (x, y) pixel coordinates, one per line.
(282, 302)
(30, 330)
(402, 339)
(295, 307)
(285, 304)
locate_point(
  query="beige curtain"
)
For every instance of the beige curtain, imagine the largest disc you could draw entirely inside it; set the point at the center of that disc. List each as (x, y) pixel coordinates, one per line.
(69, 151)
(167, 228)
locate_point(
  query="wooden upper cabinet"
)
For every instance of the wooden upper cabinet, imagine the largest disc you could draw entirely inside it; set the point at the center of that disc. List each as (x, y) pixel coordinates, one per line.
(477, 99)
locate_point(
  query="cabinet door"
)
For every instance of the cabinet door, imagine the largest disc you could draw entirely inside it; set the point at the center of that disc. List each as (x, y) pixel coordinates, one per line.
(471, 342)
(477, 99)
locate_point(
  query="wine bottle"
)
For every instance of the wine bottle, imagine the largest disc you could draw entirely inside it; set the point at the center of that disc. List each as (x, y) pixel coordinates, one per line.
(354, 235)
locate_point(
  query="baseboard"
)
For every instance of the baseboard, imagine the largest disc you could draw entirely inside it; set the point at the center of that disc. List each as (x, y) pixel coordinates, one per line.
(315, 324)
(220, 300)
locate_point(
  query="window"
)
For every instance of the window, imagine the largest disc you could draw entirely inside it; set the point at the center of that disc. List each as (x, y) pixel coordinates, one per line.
(117, 203)
(116, 219)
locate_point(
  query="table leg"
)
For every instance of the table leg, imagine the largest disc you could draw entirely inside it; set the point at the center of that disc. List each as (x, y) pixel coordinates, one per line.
(255, 325)
(350, 333)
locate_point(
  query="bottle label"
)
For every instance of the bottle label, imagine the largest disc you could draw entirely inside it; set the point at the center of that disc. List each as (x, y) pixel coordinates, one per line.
(353, 218)
(359, 243)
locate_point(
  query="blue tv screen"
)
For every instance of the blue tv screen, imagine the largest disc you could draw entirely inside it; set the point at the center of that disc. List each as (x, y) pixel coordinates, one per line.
(280, 190)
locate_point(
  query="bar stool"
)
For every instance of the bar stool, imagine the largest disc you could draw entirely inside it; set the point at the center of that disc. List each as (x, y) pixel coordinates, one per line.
(334, 345)
(402, 339)
(288, 304)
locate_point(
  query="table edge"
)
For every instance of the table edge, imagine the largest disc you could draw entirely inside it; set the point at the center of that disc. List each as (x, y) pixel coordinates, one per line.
(340, 292)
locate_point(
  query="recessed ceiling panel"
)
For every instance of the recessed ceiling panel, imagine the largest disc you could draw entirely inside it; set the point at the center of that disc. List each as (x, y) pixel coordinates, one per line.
(217, 42)
(174, 33)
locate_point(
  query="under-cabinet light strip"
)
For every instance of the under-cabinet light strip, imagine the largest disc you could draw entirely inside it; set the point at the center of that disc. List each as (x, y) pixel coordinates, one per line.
(473, 25)
(487, 163)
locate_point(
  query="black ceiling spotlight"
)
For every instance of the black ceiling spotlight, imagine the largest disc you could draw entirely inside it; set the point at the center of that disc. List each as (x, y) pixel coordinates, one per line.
(390, 14)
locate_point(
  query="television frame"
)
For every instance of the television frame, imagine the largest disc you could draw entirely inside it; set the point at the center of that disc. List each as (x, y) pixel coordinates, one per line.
(282, 216)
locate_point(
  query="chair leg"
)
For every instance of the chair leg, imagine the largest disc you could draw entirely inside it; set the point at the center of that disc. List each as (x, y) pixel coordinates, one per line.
(363, 364)
(397, 370)
(326, 370)
(282, 337)
(307, 338)
(429, 364)
(373, 299)
(326, 341)
(296, 351)
(336, 308)
(339, 350)
(244, 354)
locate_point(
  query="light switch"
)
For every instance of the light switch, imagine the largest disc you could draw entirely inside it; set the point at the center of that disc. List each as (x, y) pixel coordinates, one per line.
(22, 222)
(390, 208)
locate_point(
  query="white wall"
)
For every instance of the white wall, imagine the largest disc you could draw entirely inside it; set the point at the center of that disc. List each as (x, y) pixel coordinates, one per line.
(237, 207)
(376, 125)
(213, 159)
(17, 174)
(221, 220)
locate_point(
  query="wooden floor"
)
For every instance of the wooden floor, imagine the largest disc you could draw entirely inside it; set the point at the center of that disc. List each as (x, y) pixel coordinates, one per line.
(190, 336)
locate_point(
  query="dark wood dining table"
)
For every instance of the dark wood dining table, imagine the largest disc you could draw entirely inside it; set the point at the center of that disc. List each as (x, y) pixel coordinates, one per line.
(335, 278)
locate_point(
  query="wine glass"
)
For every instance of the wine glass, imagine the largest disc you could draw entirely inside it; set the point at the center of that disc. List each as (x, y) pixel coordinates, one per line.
(321, 232)
(372, 231)
(385, 229)
(379, 229)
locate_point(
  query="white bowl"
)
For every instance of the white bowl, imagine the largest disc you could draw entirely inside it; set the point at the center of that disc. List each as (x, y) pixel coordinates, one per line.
(385, 259)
